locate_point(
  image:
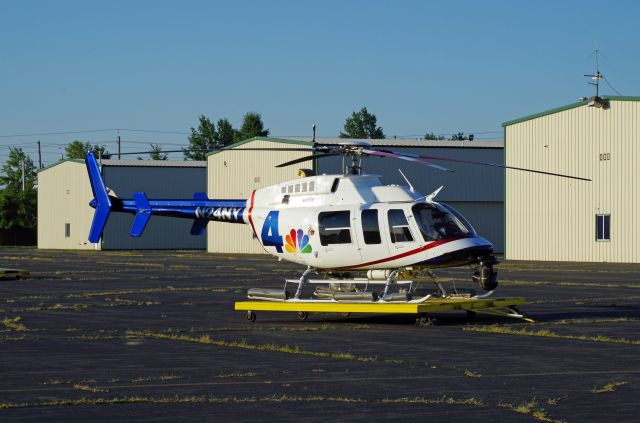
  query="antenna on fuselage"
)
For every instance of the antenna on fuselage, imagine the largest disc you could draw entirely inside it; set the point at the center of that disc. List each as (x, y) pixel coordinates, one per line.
(407, 179)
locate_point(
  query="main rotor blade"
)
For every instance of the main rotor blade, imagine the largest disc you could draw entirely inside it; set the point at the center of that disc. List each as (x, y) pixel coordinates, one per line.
(408, 157)
(304, 159)
(208, 150)
(502, 166)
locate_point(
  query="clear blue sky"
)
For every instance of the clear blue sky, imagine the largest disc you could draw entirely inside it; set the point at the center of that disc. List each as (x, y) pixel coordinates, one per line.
(440, 66)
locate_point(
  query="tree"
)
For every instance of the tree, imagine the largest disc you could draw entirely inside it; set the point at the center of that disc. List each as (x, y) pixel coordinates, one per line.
(18, 206)
(460, 136)
(225, 132)
(252, 126)
(433, 137)
(362, 125)
(205, 138)
(156, 153)
(78, 149)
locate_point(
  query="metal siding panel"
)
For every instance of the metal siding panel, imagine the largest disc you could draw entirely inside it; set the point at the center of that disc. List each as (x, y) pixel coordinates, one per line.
(64, 193)
(466, 183)
(232, 174)
(553, 218)
(162, 232)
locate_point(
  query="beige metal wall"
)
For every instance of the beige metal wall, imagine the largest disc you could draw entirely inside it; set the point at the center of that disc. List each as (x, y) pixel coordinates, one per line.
(551, 218)
(64, 193)
(234, 175)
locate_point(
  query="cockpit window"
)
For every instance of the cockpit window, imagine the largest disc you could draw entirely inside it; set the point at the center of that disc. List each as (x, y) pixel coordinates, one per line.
(438, 223)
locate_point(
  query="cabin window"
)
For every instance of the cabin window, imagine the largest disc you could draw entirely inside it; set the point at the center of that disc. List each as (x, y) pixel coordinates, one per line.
(334, 227)
(67, 230)
(312, 185)
(370, 226)
(399, 227)
(297, 187)
(603, 227)
(283, 190)
(290, 189)
(304, 187)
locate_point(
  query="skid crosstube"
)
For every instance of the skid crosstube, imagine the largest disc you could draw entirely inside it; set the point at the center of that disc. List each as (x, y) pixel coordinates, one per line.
(497, 306)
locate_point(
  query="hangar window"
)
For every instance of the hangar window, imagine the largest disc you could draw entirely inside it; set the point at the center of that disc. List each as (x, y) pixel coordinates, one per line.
(67, 230)
(399, 227)
(603, 227)
(370, 227)
(334, 227)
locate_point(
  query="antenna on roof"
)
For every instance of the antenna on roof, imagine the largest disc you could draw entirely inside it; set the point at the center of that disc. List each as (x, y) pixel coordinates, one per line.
(597, 76)
(596, 101)
(314, 132)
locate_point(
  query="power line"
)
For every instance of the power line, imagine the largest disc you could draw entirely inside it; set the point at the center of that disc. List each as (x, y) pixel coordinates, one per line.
(611, 86)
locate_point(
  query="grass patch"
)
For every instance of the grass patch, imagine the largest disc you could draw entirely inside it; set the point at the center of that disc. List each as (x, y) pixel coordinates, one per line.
(243, 344)
(84, 387)
(14, 324)
(530, 408)
(178, 400)
(239, 374)
(442, 400)
(545, 333)
(609, 387)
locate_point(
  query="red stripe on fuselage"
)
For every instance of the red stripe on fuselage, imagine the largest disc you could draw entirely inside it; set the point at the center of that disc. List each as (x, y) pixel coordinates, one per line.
(405, 254)
(250, 211)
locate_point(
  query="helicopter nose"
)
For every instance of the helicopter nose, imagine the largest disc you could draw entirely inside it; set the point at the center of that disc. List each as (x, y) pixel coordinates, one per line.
(93, 203)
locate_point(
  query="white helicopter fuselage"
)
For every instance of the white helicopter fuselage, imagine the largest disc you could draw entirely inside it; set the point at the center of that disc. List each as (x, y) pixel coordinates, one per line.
(337, 222)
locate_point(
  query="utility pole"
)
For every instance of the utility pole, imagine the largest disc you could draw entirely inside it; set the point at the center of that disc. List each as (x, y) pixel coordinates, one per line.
(118, 144)
(39, 156)
(24, 182)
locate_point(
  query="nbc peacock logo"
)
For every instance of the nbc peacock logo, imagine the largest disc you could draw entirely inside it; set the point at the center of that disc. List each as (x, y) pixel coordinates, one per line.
(297, 242)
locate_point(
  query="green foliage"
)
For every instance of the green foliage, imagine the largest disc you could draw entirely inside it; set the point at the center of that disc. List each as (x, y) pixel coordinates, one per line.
(78, 149)
(225, 132)
(17, 206)
(204, 138)
(460, 136)
(433, 137)
(362, 125)
(156, 153)
(252, 126)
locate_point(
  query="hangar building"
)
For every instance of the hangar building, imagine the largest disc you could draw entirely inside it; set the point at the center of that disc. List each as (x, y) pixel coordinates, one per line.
(476, 191)
(552, 218)
(64, 214)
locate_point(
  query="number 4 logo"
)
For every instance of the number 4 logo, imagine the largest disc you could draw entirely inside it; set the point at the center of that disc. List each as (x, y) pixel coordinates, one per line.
(270, 234)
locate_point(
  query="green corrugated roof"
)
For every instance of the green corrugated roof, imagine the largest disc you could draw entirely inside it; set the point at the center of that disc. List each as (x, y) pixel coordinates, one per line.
(563, 108)
(278, 140)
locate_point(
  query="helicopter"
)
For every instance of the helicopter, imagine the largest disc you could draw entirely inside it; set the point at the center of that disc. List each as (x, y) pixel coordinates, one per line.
(334, 224)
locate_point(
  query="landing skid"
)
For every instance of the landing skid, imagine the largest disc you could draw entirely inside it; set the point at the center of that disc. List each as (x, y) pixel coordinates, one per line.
(356, 295)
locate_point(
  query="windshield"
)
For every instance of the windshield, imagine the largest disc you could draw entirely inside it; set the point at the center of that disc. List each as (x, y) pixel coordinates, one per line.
(438, 223)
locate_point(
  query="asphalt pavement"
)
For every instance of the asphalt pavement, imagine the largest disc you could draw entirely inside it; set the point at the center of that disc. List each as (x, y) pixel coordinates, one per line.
(152, 335)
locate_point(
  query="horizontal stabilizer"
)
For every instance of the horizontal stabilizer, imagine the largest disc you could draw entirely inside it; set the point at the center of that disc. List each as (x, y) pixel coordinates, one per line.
(143, 213)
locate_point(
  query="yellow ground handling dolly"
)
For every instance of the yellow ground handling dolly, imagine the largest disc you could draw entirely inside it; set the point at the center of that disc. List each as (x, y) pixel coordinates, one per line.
(365, 301)
(505, 307)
